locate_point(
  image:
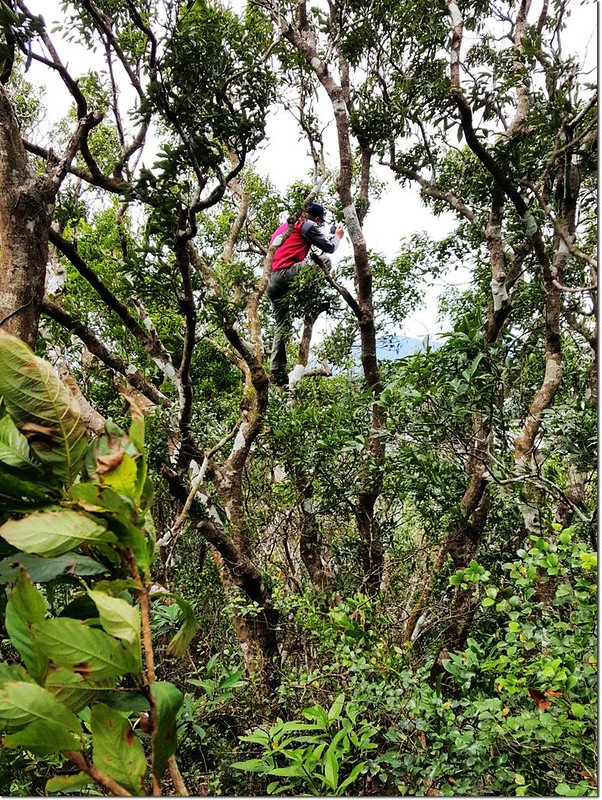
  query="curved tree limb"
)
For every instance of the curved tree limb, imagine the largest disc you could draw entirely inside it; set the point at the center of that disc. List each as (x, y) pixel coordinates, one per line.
(97, 348)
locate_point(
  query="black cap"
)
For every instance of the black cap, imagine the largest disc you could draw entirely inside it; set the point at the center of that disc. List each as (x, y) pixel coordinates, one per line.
(315, 210)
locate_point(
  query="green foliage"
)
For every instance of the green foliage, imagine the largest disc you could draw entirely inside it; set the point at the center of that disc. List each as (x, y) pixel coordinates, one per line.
(73, 658)
(510, 716)
(323, 756)
(50, 431)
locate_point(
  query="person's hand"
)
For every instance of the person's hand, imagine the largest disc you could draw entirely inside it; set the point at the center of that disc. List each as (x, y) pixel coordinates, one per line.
(340, 231)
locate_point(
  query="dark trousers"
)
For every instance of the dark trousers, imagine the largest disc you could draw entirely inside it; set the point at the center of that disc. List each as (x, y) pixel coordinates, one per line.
(277, 289)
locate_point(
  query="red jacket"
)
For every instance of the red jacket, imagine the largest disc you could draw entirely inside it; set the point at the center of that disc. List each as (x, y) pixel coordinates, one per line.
(294, 249)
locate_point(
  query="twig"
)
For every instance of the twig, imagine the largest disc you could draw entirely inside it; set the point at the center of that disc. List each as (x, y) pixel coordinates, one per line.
(98, 775)
(563, 288)
(176, 777)
(183, 515)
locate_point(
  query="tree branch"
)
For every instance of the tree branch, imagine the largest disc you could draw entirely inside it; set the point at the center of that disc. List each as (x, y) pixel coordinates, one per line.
(97, 348)
(82, 763)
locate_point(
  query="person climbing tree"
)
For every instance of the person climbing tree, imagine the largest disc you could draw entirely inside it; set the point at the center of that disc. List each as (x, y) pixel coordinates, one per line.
(289, 258)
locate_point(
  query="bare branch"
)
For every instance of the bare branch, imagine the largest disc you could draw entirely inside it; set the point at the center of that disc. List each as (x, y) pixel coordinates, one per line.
(97, 348)
(82, 763)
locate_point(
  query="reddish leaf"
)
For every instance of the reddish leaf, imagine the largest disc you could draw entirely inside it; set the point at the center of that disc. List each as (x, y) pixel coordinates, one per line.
(552, 693)
(108, 463)
(540, 699)
(591, 779)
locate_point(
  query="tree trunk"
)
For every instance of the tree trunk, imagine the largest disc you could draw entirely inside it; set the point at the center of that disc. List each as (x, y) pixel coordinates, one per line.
(25, 211)
(371, 481)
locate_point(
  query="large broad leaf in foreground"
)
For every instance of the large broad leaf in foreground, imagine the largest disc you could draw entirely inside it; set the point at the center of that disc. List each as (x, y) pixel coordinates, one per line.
(117, 617)
(42, 569)
(14, 448)
(23, 703)
(167, 699)
(25, 607)
(116, 749)
(71, 689)
(62, 784)
(51, 533)
(94, 654)
(43, 409)
(44, 737)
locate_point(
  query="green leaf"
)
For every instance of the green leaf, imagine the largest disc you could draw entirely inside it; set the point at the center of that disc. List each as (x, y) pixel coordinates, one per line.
(136, 436)
(251, 765)
(292, 771)
(130, 535)
(117, 617)
(178, 646)
(42, 569)
(123, 478)
(258, 736)
(331, 768)
(95, 654)
(64, 784)
(44, 737)
(93, 497)
(22, 703)
(14, 449)
(168, 700)
(353, 776)
(13, 672)
(578, 710)
(116, 749)
(127, 701)
(335, 709)
(319, 714)
(25, 607)
(293, 725)
(18, 488)
(42, 409)
(71, 689)
(52, 533)
(117, 586)
(136, 431)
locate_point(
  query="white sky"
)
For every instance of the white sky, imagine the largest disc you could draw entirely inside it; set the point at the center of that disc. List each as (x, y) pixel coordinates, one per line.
(397, 214)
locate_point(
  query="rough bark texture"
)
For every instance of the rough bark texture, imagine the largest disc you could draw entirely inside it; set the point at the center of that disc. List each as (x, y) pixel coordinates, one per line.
(310, 539)
(25, 211)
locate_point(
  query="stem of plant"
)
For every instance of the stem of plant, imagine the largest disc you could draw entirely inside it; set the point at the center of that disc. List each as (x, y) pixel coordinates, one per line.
(149, 660)
(98, 775)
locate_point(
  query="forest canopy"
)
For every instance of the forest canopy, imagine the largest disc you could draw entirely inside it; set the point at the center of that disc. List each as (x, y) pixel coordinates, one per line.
(379, 579)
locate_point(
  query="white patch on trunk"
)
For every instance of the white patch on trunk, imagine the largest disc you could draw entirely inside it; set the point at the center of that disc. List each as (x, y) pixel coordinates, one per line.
(279, 473)
(295, 375)
(530, 224)
(499, 293)
(338, 105)
(553, 371)
(130, 369)
(353, 225)
(240, 440)
(315, 62)
(31, 226)
(167, 369)
(309, 506)
(455, 14)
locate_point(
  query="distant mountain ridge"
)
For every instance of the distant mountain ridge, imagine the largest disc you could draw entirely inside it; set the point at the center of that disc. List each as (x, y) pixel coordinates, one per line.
(393, 347)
